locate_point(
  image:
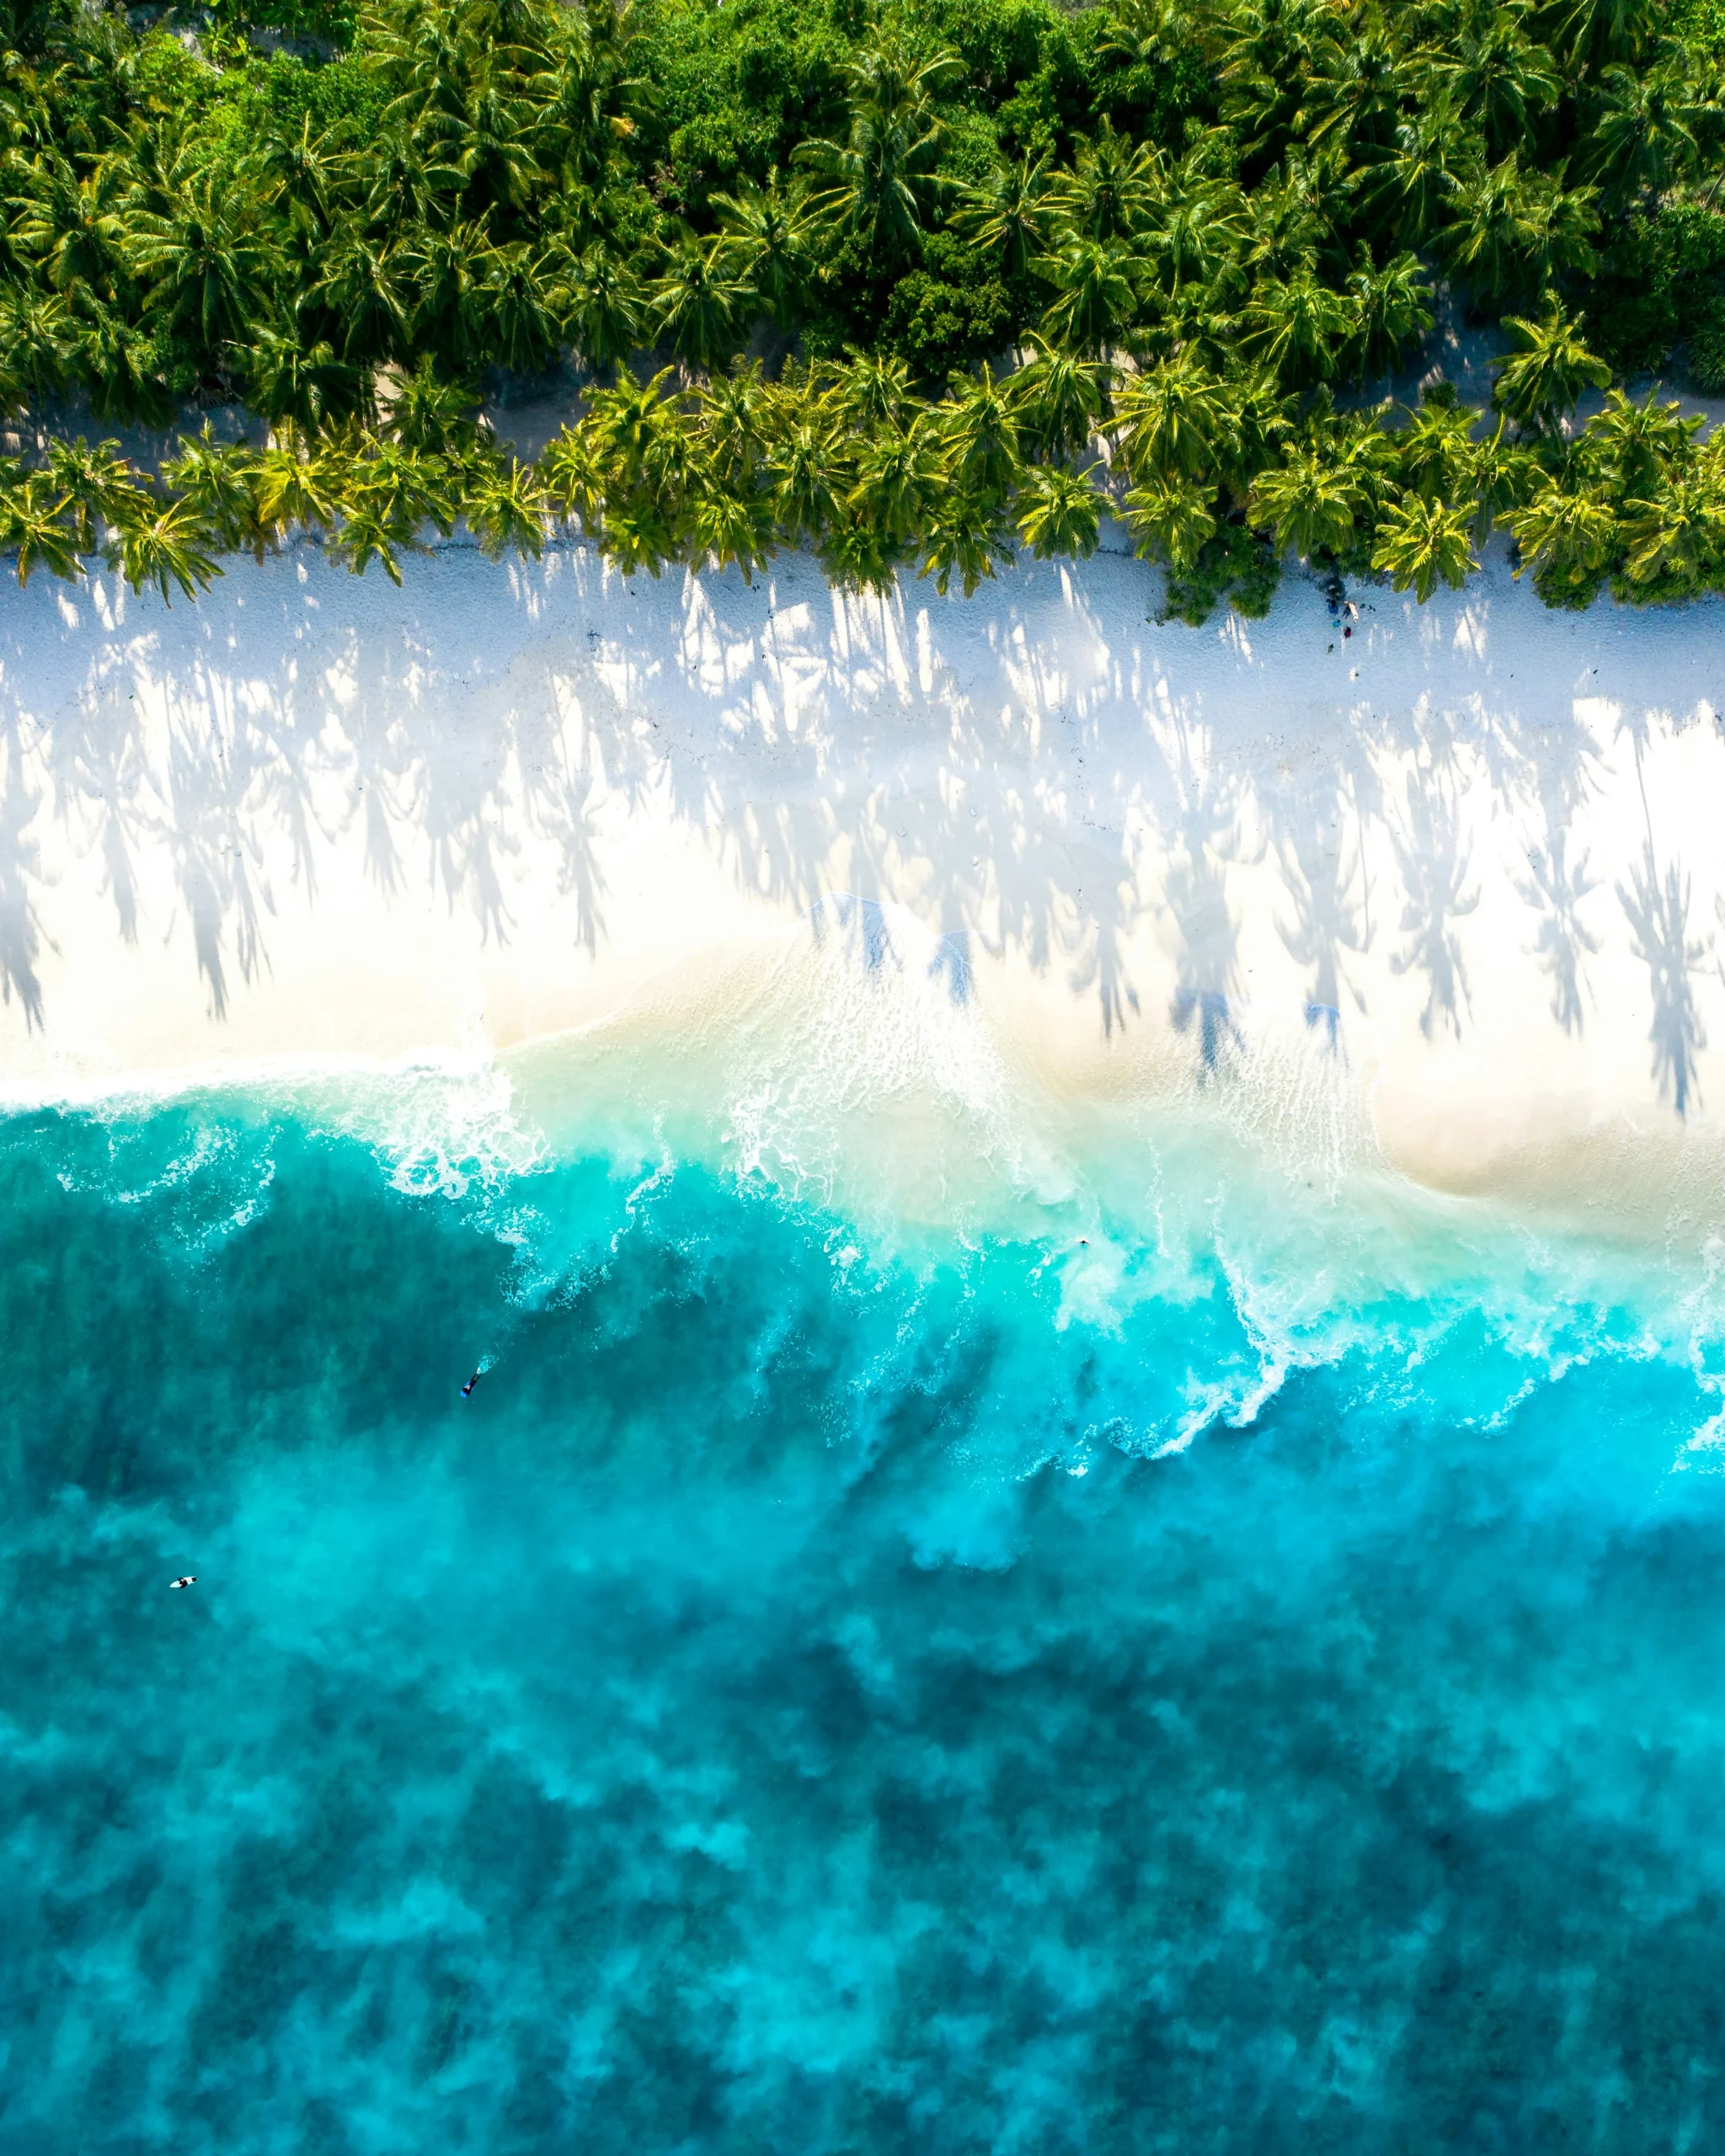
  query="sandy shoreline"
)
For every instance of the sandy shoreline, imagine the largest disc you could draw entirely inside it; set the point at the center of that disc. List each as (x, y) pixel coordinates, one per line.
(1468, 858)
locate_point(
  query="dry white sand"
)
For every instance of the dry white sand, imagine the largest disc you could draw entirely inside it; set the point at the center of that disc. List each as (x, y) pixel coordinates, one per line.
(1471, 858)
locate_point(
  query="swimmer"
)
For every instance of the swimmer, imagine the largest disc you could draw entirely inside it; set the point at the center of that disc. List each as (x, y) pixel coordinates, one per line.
(467, 1389)
(186, 1579)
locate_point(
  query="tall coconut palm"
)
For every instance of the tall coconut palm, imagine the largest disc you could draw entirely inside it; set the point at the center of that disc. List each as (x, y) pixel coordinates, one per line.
(1412, 185)
(1676, 532)
(1311, 501)
(881, 178)
(607, 308)
(97, 486)
(964, 536)
(1550, 367)
(1059, 511)
(1421, 543)
(1060, 397)
(697, 299)
(71, 226)
(1112, 192)
(1299, 328)
(1172, 518)
(1173, 420)
(1008, 214)
(1434, 452)
(1500, 80)
(206, 257)
(1393, 309)
(1567, 538)
(978, 432)
(1642, 137)
(35, 524)
(1511, 231)
(770, 243)
(165, 544)
(1097, 288)
(507, 508)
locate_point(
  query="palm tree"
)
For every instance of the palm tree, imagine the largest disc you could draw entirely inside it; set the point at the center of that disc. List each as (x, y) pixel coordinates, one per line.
(364, 292)
(123, 367)
(873, 391)
(697, 299)
(1412, 186)
(1298, 328)
(1434, 452)
(71, 226)
(1592, 30)
(448, 266)
(965, 537)
(1097, 284)
(1676, 532)
(164, 543)
(1273, 47)
(882, 176)
(1642, 136)
(573, 472)
(1113, 191)
(1172, 419)
(1310, 500)
(1424, 543)
(206, 257)
(1502, 475)
(1499, 80)
(287, 379)
(1512, 231)
(1192, 236)
(1565, 538)
(1007, 214)
(218, 485)
(507, 508)
(97, 486)
(1632, 445)
(770, 239)
(1171, 519)
(522, 306)
(34, 521)
(1550, 368)
(1058, 397)
(295, 486)
(732, 526)
(899, 480)
(806, 480)
(307, 171)
(1059, 511)
(1393, 307)
(439, 416)
(1354, 96)
(979, 436)
(607, 308)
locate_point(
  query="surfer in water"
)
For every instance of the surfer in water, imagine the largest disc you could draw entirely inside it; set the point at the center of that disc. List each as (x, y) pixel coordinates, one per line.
(186, 1579)
(467, 1389)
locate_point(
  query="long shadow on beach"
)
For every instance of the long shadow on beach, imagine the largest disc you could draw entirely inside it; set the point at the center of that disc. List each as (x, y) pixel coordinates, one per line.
(1054, 771)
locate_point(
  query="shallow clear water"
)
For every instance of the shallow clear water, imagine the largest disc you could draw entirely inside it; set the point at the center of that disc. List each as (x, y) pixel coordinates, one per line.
(1195, 1674)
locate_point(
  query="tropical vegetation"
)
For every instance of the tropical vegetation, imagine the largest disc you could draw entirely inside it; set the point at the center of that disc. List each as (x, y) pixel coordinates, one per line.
(914, 285)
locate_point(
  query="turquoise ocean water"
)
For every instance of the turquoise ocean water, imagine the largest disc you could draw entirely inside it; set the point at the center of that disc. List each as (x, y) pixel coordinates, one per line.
(1187, 1656)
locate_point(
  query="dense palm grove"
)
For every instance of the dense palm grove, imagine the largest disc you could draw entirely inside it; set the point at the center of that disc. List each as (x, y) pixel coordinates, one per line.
(911, 285)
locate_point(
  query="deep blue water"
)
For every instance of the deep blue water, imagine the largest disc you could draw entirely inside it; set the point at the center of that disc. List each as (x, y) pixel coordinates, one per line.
(789, 1708)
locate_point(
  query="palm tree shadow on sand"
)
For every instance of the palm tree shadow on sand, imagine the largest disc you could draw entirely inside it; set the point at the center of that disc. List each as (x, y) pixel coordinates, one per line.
(1023, 760)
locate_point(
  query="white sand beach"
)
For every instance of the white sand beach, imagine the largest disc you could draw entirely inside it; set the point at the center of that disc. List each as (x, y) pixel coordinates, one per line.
(1470, 858)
